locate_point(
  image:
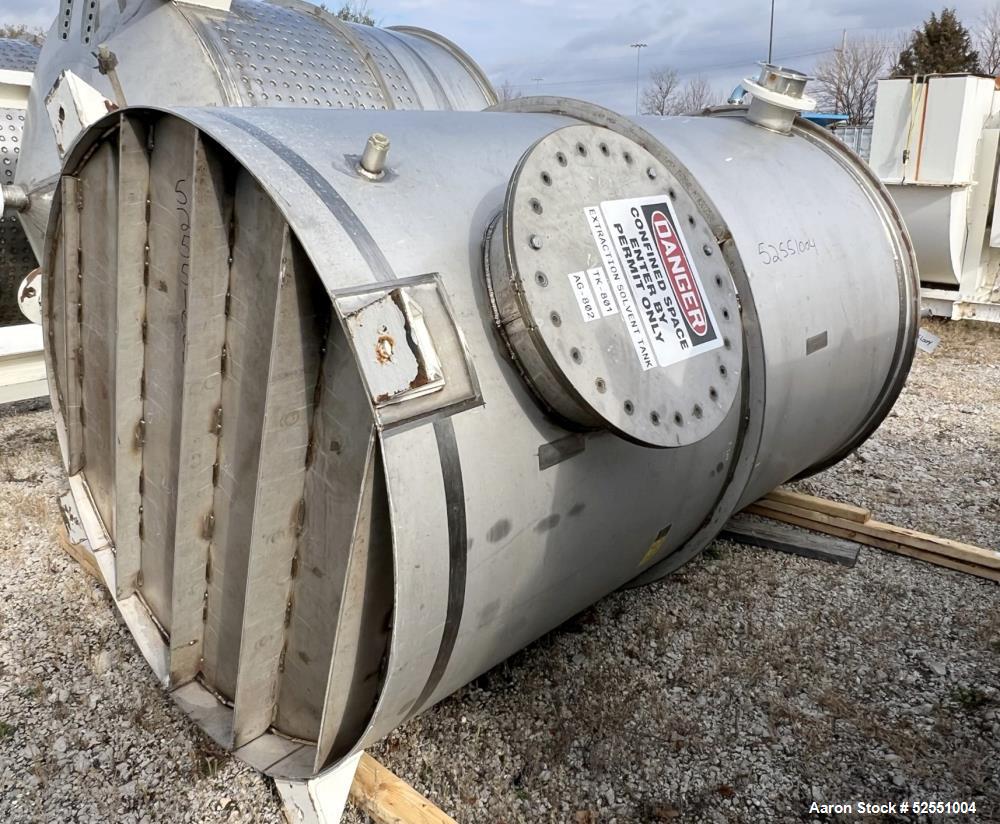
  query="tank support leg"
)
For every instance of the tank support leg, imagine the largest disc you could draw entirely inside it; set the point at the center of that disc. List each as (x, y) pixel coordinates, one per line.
(320, 800)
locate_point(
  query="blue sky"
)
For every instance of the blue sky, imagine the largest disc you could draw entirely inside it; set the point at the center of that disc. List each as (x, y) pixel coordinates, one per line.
(581, 49)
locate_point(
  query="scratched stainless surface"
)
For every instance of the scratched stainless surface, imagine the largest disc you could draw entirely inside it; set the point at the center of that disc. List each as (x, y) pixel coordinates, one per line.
(489, 544)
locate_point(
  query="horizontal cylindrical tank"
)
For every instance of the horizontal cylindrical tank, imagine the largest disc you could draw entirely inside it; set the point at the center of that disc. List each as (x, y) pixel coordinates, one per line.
(355, 439)
(102, 54)
(17, 62)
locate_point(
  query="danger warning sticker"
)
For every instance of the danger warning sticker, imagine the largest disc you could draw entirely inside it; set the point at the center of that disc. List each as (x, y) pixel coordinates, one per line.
(654, 281)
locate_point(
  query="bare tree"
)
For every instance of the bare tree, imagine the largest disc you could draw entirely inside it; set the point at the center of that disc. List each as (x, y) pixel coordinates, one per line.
(696, 96)
(507, 91)
(18, 31)
(988, 40)
(353, 11)
(847, 79)
(658, 96)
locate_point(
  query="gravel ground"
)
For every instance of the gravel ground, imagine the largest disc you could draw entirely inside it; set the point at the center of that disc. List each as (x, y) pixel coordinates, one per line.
(741, 689)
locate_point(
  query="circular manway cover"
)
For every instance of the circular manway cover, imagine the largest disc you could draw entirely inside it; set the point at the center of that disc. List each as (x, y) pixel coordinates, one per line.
(612, 292)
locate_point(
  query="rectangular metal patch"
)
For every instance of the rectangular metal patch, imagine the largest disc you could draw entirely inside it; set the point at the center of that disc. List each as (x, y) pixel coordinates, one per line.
(816, 342)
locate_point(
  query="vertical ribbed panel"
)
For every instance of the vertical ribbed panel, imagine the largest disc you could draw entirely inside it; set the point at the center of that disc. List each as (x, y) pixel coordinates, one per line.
(72, 355)
(130, 292)
(98, 303)
(362, 631)
(260, 233)
(301, 321)
(205, 273)
(171, 174)
(343, 437)
(54, 319)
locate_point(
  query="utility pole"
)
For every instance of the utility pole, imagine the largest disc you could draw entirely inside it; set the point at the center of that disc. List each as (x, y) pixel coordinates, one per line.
(638, 51)
(537, 81)
(770, 39)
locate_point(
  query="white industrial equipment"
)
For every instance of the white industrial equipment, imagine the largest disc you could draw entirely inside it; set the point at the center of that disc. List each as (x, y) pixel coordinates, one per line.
(935, 146)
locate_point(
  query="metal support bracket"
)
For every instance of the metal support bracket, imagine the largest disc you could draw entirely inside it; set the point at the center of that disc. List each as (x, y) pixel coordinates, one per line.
(320, 800)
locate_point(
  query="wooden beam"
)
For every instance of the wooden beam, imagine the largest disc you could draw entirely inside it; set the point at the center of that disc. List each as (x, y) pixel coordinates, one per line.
(388, 799)
(967, 553)
(849, 530)
(772, 534)
(827, 507)
(82, 555)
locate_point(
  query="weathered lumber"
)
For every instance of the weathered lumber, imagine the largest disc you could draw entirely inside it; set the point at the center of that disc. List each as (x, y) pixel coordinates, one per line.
(81, 554)
(783, 537)
(812, 502)
(957, 550)
(389, 800)
(849, 531)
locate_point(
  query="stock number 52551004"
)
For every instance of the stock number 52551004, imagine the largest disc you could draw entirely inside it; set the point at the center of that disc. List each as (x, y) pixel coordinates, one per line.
(774, 253)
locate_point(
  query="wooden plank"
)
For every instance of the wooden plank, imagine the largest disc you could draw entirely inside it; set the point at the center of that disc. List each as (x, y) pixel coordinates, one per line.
(301, 320)
(827, 507)
(388, 799)
(81, 554)
(854, 535)
(205, 209)
(787, 538)
(908, 537)
(133, 190)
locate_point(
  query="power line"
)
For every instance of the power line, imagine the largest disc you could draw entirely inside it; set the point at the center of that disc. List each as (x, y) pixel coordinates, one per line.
(599, 81)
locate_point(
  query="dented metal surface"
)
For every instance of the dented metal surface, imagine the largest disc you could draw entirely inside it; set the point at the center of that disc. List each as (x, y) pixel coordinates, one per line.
(366, 443)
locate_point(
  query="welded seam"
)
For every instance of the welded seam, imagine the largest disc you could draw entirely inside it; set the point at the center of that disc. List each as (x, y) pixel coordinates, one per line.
(458, 545)
(311, 176)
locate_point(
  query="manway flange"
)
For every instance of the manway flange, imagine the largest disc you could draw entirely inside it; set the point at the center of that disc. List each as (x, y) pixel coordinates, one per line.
(611, 292)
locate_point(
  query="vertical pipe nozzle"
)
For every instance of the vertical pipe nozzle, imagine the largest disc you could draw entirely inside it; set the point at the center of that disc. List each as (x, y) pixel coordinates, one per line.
(373, 160)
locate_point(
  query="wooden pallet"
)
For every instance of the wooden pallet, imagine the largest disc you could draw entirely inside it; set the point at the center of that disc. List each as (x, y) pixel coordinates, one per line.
(856, 524)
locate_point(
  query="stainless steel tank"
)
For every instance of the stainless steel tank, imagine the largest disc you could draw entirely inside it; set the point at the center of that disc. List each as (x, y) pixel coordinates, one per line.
(17, 62)
(345, 436)
(102, 54)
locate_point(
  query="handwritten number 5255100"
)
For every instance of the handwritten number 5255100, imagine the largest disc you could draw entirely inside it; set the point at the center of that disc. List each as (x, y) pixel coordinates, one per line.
(774, 253)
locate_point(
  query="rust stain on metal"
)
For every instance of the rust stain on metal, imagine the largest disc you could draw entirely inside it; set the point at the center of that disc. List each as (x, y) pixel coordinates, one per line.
(384, 347)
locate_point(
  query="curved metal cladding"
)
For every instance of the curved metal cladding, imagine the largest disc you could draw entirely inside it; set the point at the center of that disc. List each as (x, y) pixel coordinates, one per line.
(17, 62)
(273, 53)
(351, 438)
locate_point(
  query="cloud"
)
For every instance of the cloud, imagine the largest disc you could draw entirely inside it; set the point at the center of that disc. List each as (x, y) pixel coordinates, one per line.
(34, 13)
(582, 49)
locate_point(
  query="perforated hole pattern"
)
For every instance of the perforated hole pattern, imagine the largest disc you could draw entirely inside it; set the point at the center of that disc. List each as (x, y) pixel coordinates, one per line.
(16, 257)
(282, 57)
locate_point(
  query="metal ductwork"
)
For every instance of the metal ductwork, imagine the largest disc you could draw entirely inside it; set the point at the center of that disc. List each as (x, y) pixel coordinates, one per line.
(347, 434)
(105, 54)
